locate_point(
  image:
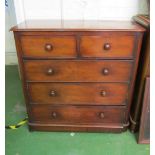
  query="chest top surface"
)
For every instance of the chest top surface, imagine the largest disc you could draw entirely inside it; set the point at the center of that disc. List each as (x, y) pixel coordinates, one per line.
(77, 25)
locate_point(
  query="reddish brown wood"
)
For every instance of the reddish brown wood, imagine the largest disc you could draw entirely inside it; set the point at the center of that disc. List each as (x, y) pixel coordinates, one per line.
(48, 46)
(78, 70)
(77, 114)
(107, 46)
(77, 128)
(77, 25)
(77, 36)
(22, 73)
(138, 43)
(78, 93)
(67, 81)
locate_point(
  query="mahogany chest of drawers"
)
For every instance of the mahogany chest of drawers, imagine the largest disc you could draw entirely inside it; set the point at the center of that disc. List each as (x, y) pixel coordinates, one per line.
(78, 75)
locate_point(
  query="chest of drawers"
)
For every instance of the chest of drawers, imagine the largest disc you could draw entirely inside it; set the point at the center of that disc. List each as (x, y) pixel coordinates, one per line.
(76, 75)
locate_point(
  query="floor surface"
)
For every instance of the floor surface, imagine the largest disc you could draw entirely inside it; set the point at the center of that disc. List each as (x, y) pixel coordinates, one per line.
(23, 142)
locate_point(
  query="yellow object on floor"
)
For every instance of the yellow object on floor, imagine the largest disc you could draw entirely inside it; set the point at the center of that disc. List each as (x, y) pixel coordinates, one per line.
(17, 125)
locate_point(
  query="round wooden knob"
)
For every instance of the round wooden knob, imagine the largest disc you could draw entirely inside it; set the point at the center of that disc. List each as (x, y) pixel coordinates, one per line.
(52, 93)
(50, 71)
(107, 46)
(54, 114)
(103, 93)
(105, 71)
(101, 115)
(48, 47)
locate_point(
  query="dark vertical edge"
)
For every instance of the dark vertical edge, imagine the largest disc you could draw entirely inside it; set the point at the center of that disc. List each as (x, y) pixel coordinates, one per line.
(78, 45)
(137, 47)
(144, 113)
(143, 71)
(22, 72)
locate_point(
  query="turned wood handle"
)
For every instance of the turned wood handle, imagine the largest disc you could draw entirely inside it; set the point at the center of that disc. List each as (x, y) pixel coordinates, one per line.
(105, 71)
(52, 93)
(48, 47)
(50, 71)
(101, 115)
(103, 93)
(54, 114)
(107, 46)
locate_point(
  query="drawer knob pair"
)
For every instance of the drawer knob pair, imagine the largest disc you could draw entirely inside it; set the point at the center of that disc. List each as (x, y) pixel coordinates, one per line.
(48, 47)
(53, 93)
(54, 115)
(50, 71)
(107, 46)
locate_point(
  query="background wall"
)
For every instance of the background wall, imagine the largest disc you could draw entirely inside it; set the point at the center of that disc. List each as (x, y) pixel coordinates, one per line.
(10, 20)
(67, 9)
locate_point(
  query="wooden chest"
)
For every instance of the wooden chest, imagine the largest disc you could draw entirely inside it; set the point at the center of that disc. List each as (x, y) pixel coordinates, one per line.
(78, 75)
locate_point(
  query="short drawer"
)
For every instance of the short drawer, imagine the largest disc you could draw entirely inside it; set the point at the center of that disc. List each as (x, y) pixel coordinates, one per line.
(48, 46)
(78, 93)
(77, 114)
(107, 46)
(78, 71)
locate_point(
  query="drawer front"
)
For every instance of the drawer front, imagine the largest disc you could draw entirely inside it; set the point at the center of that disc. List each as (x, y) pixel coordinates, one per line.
(78, 93)
(48, 46)
(78, 71)
(108, 46)
(77, 114)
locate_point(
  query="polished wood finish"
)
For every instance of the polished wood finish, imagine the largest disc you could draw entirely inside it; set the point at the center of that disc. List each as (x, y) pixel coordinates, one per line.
(77, 114)
(78, 93)
(78, 76)
(106, 127)
(78, 70)
(77, 25)
(107, 46)
(48, 46)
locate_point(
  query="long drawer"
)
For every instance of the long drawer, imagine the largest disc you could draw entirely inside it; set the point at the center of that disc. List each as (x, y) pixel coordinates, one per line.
(78, 93)
(78, 70)
(77, 114)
